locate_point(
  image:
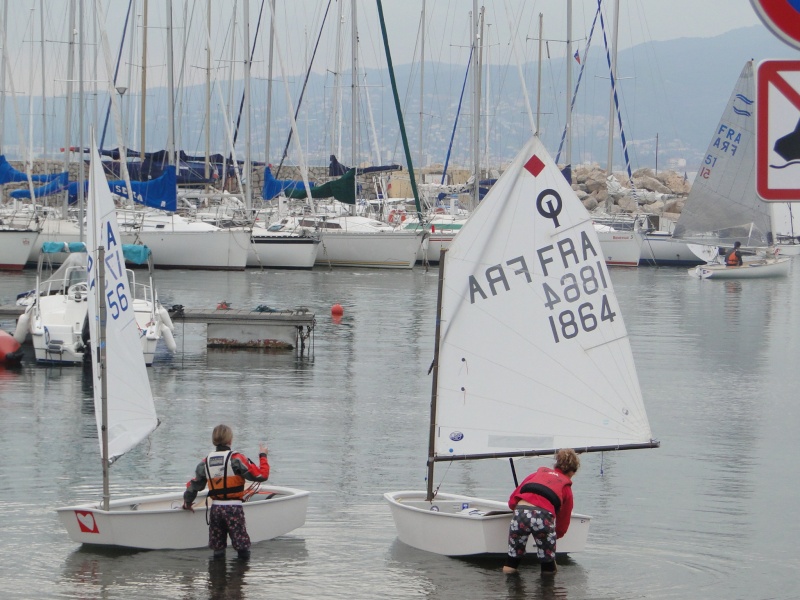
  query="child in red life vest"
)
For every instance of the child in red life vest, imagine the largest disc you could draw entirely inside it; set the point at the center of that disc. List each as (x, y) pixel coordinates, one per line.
(542, 506)
(225, 473)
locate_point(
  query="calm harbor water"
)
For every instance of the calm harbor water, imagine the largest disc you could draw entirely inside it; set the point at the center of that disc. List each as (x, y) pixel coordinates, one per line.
(711, 514)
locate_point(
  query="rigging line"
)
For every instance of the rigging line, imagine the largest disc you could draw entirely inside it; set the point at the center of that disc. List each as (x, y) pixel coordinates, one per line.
(616, 105)
(303, 91)
(580, 75)
(252, 55)
(116, 71)
(455, 123)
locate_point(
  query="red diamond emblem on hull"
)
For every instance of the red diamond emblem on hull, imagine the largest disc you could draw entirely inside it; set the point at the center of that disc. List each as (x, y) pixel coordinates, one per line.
(534, 165)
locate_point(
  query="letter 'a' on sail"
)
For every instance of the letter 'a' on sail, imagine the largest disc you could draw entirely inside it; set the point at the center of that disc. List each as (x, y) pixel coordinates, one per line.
(532, 354)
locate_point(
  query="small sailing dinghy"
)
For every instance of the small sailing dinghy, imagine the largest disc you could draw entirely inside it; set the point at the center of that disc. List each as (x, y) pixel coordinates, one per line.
(753, 269)
(126, 415)
(531, 355)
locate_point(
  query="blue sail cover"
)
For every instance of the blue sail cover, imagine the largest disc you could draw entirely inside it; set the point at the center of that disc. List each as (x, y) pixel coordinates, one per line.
(9, 174)
(59, 184)
(161, 193)
(273, 187)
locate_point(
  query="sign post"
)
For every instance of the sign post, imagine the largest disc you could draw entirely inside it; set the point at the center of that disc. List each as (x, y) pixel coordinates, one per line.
(778, 130)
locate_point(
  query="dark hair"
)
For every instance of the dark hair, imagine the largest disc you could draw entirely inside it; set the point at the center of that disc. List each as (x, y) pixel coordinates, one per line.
(737, 244)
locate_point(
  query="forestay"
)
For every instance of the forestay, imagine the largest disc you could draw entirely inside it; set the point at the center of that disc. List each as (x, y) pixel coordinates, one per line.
(131, 412)
(534, 354)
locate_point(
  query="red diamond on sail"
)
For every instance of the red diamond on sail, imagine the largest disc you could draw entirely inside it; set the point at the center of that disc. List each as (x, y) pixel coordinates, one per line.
(534, 166)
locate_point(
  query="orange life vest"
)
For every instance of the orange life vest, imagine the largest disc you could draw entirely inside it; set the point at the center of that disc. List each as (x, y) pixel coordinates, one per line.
(732, 260)
(223, 483)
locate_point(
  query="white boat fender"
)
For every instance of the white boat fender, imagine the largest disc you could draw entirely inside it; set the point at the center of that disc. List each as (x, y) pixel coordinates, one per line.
(168, 338)
(166, 320)
(21, 332)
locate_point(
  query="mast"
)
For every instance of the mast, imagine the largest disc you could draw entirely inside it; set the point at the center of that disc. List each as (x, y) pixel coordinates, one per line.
(68, 109)
(476, 104)
(421, 82)
(488, 87)
(143, 111)
(539, 77)
(81, 101)
(101, 306)
(353, 97)
(207, 171)
(336, 134)
(568, 61)
(269, 80)
(435, 370)
(171, 90)
(44, 96)
(248, 169)
(609, 165)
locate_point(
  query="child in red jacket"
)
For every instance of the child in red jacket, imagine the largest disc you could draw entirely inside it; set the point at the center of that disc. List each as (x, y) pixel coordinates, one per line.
(542, 506)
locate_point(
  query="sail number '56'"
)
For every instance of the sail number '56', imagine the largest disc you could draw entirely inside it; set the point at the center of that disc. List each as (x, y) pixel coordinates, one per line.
(578, 316)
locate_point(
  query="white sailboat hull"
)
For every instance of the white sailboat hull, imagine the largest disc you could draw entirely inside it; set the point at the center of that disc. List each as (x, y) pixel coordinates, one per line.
(454, 525)
(788, 249)
(661, 249)
(224, 249)
(15, 248)
(621, 248)
(271, 251)
(385, 250)
(157, 522)
(756, 269)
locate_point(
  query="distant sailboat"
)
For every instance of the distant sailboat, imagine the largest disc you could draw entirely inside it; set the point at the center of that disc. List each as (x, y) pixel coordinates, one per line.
(723, 207)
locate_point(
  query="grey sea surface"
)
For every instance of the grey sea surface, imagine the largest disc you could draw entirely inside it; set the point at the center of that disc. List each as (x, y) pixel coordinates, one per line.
(710, 514)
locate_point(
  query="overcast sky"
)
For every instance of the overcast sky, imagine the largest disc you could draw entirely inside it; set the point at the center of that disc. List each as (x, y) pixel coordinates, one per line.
(299, 22)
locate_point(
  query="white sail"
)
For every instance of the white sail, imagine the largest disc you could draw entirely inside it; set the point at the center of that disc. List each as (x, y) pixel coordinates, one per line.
(723, 203)
(131, 412)
(534, 354)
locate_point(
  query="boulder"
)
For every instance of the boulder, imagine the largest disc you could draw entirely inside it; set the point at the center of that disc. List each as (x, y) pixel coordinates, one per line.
(589, 202)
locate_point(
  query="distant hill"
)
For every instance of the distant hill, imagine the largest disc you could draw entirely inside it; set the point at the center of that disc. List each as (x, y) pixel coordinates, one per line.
(676, 89)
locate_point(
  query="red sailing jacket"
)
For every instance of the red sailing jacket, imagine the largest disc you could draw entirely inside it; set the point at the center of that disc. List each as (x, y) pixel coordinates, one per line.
(238, 467)
(549, 489)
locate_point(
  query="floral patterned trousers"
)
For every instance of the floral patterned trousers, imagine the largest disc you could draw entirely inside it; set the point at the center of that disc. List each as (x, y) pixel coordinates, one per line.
(536, 522)
(227, 520)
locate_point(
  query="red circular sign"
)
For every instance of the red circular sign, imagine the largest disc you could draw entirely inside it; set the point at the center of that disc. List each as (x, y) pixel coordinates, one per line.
(782, 17)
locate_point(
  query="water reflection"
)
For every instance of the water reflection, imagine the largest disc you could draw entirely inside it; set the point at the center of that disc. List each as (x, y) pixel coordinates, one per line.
(226, 578)
(98, 573)
(444, 578)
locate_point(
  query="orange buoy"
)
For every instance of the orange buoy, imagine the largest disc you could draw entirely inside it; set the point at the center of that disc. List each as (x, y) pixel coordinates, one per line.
(337, 310)
(10, 350)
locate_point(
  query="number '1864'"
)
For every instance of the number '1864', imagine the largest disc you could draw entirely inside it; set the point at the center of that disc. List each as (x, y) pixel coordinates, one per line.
(569, 322)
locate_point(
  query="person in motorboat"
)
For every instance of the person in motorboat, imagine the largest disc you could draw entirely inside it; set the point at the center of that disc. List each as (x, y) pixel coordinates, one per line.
(542, 506)
(225, 473)
(734, 257)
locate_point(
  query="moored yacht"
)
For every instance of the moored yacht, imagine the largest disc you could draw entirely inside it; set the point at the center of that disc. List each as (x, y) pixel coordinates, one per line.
(181, 243)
